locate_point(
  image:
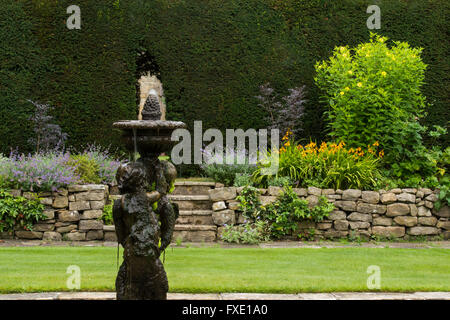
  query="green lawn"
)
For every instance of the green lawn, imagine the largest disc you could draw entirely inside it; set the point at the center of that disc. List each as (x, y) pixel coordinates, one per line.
(33, 269)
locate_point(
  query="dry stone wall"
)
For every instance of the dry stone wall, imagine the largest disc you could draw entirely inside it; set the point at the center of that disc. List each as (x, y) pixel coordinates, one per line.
(397, 213)
(72, 214)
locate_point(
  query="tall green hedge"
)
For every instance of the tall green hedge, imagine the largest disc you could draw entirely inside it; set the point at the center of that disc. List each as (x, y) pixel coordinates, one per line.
(212, 56)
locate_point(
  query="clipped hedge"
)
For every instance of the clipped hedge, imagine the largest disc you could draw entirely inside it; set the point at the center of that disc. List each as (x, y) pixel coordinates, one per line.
(212, 56)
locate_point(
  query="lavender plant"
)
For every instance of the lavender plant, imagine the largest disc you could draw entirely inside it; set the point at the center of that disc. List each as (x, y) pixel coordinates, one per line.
(38, 172)
(107, 164)
(48, 136)
(284, 113)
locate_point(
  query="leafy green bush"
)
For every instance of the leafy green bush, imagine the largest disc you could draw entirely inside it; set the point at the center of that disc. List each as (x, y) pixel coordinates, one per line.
(249, 233)
(243, 179)
(19, 212)
(86, 168)
(372, 89)
(284, 214)
(107, 216)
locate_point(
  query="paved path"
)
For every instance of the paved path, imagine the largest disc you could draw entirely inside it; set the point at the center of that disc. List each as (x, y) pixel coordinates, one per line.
(275, 244)
(238, 296)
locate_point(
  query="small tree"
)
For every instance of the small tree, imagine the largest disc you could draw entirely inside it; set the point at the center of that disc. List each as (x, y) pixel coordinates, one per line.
(48, 136)
(284, 113)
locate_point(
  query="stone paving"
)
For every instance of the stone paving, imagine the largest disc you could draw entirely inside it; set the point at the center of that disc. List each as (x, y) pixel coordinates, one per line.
(220, 244)
(238, 296)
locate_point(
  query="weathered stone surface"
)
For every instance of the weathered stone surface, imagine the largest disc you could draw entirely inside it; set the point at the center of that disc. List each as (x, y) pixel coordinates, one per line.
(424, 212)
(410, 190)
(314, 191)
(406, 221)
(432, 197)
(52, 236)
(444, 212)
(92, 195)
(91, 214)
(233, 205)
(90, 225)
(60, 202)
(50, 214)
(337, 215)
(341, 225)
(29, 234)
(371, 208)
(423, 231)
(46, 201)
(427, 221)
(326, 192)
(7, 235)
(396, 191)
(446, 235)
(429, 204)
(220, 194)
(265, 200)
(334, 196)
(388, 197)
(301, 192)
(324, 225)
(335, 233)
(239, 190)
(94, 235)
(356, 216)
(425, 191)
(29, 195)
(443, 225)
(396, 232)
(97, 205)
(351, 194)
(67, 228)
(307, 224)
(406, 197)
(68, 216)
(346, 205)
(223, 217)
(413, 210)
(359, 225)
(240, 218)
(87, 187)
(274, 191)
(109, 228)
(397, 209)
(312, 200)
(42, 227)
(72, 198)
(15, 192)
(262, 191)
(220, 205)
(110, 236)
(339, 191)
(75, 236)
(370, 197)
(79, 205)
(419, 194)
(382, 221)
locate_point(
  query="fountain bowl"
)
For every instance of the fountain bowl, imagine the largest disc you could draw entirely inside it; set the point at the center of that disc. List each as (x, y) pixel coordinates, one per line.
(148, 137)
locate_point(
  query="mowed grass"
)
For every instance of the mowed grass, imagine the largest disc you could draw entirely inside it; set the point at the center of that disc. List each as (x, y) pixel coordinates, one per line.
(196, 270)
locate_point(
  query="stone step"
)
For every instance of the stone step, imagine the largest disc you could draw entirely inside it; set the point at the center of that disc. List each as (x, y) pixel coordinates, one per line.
(189, 197)
(195, 183)
(196, 217)
(194, 233)
(196, 212)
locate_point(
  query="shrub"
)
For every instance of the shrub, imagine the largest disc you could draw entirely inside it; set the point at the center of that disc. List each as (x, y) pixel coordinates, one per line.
(19, 212)
(243, 179)
(224, 168)
(371, 90)
(107, 216)
(107, 164)
(86, 168)
(249, 233)
(284, 214)
(329, 166)
(37, 172)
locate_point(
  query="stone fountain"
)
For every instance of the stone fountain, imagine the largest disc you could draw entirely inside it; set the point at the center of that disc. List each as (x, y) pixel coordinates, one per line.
(144, 217)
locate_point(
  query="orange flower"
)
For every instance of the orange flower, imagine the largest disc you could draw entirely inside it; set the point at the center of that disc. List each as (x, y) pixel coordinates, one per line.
(381, 154)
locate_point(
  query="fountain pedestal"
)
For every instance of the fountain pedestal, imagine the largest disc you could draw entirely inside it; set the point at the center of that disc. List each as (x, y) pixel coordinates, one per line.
(144, 217)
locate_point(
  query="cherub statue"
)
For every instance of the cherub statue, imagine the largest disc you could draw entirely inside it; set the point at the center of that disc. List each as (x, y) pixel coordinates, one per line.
(141, 275)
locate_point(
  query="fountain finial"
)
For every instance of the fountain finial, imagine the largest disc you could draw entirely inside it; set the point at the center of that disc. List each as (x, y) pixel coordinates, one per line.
(152, 109)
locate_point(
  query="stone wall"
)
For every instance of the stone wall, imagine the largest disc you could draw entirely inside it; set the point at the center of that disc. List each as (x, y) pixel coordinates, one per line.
(397, 213)
(72, 214)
